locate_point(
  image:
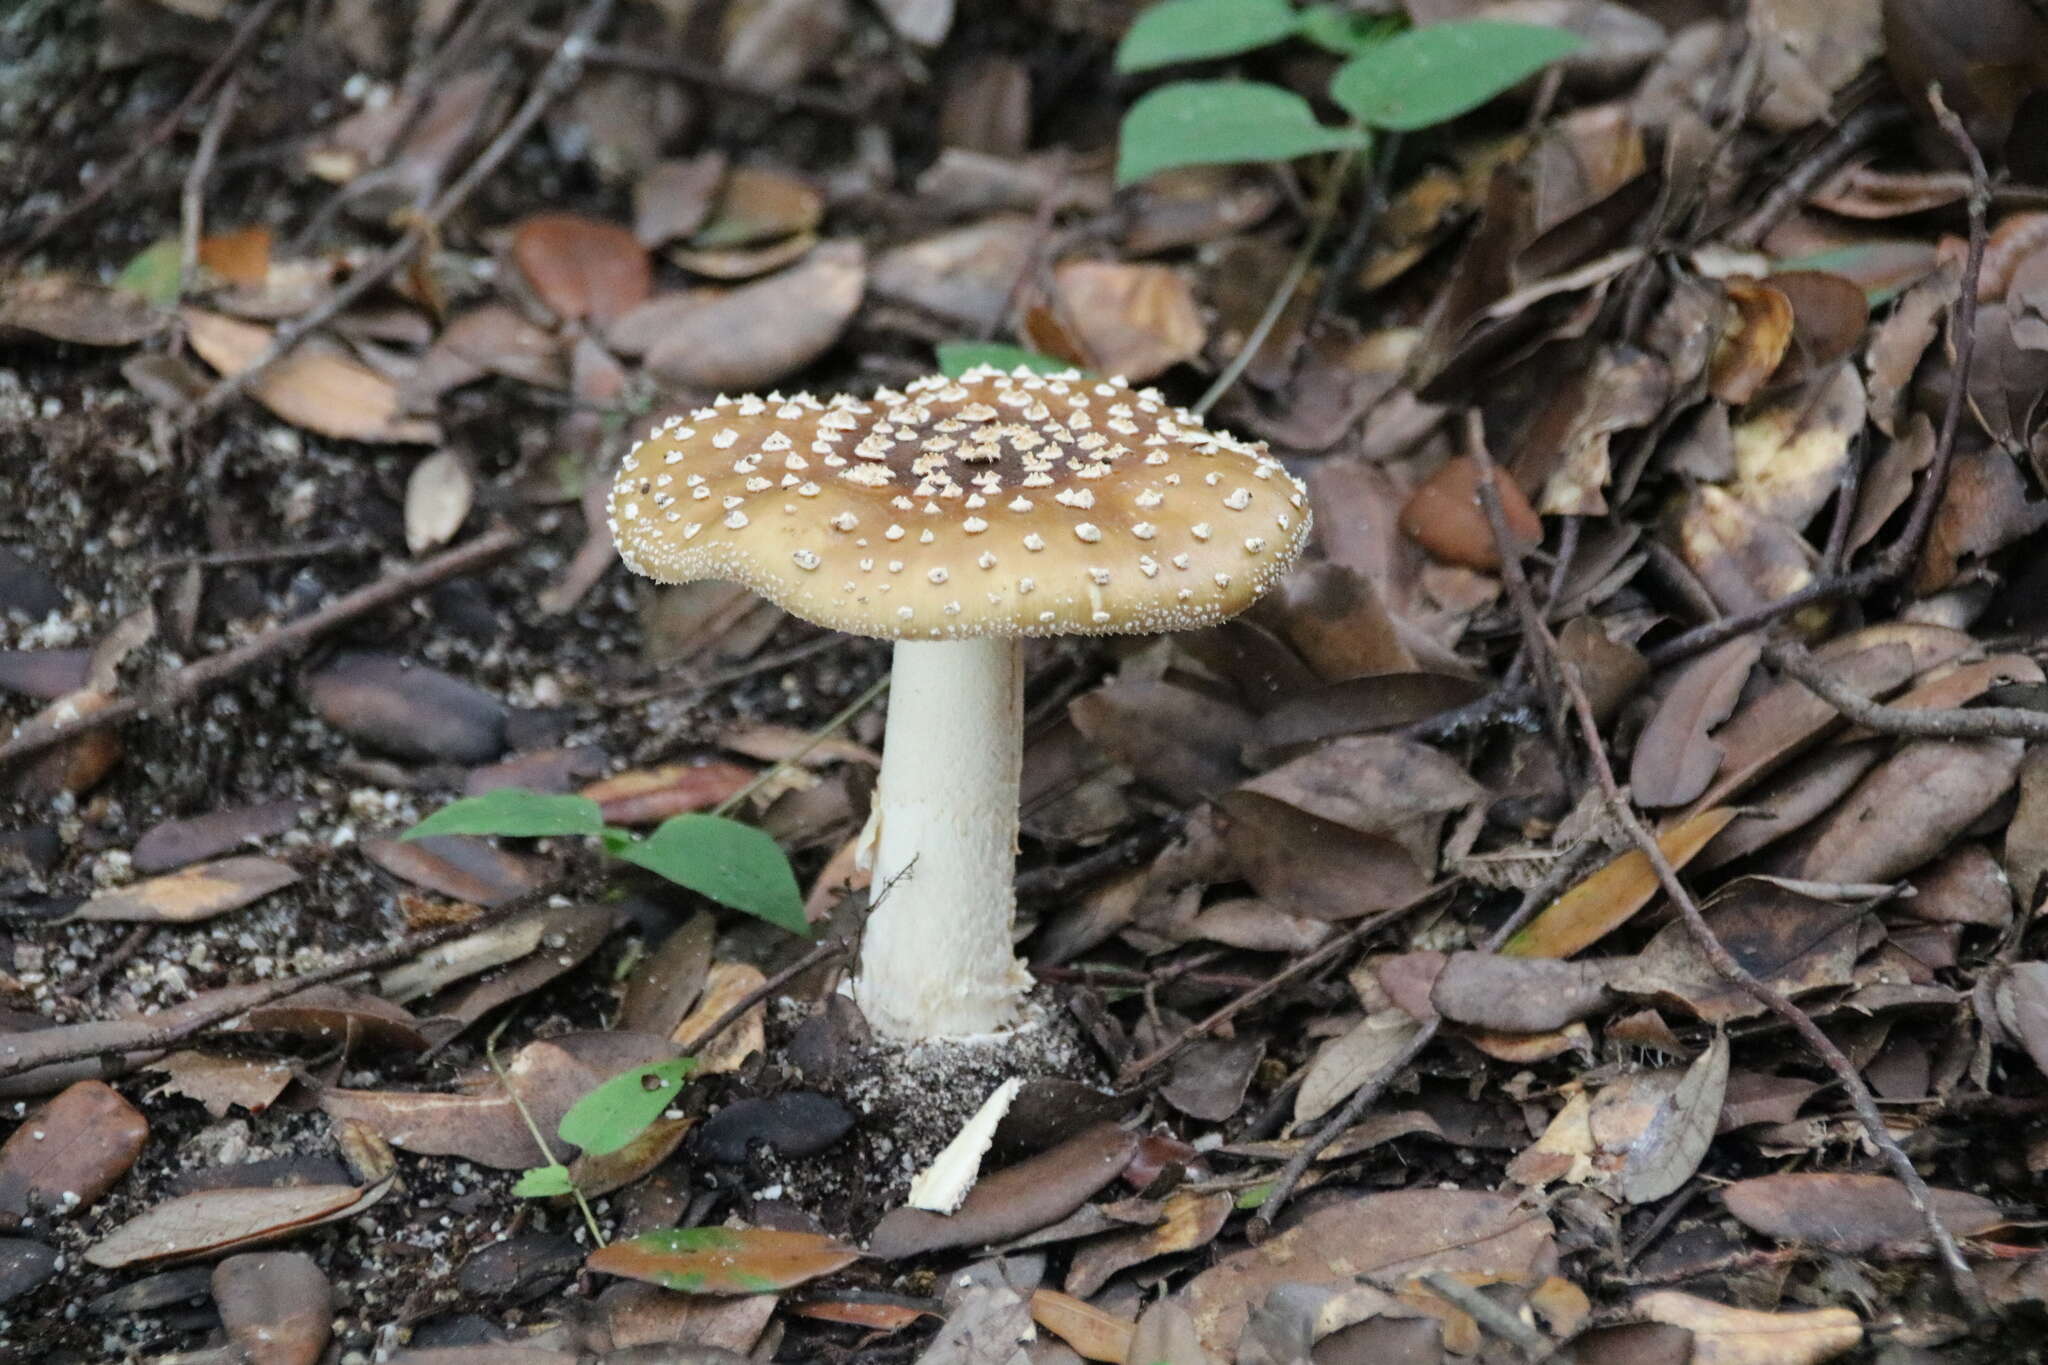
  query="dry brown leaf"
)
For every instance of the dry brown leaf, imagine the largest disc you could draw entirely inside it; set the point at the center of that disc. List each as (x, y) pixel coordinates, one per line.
(278, 1307)
(63, 308)
(213, 1221)
(1744, 558)
(1742, 1336)
(221, 1082)
(1133, 321)
(69, 1152)
(582, 267)
(674, 197)
(1641, 1137)
(1094, 1334)
(1345, 1063)
(1795, 943)
(1910, 809)
(241, 257)
(1381, 1239)
(1750, 350)
(756, 334)
(1852, 1214)
(317, 386)
(757, 205)
(192, 894)
(1676, 757)
(725, 985)
(648, 796)
(1612, 894)
(1011, 1202)
(1444, 516)
(1789, 454)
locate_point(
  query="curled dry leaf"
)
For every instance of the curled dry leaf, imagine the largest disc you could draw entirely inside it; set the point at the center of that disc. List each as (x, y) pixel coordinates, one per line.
(757, 205)
(1640, 1138)
(965, 274)
(1191, 1221)
(1792, 942)
(1789, 453)
(674, 198)
(759, 333)
(1743, 1336)
(582, 268)
(213, 1221)
(221, 1082)
(1852, 1214)
(1676, 757)
(317, 386)
(1514, 994)
(1751, 347)
(725, 985)
(1135, 321)
(192, 894)
(648, 796)
(69, 1152)
(462, 867)
(1744, 558)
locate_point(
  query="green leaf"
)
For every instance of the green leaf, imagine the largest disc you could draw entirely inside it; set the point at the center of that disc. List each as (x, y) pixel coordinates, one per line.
(1196, 30)
(515, 812)
(153, 273)
(732, 863)
(1347, 34)
(544, 1182)
(1208, 123)
(618, 1111)
(1255, 1196)
(723, 1260)
(958, 357)
(1425, 76)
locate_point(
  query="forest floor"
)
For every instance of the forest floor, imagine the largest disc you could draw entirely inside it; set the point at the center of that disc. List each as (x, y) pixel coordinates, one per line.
(1587, 907)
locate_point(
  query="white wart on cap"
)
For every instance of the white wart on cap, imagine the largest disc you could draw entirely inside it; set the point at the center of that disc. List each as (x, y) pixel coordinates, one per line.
(989, 505)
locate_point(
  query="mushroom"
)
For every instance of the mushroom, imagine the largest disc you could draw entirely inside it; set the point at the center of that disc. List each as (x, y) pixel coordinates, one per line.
(954, 518)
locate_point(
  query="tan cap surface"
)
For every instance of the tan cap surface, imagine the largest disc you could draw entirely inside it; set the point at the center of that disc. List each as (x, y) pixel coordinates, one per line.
(991, 504)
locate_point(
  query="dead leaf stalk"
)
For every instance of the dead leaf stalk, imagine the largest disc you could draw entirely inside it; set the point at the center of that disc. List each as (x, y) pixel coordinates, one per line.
(195, 680)
(1293, 971)
(1492, 1316)
(1297, 270)
(555, 79)
(192, 197)
(1860, 1099)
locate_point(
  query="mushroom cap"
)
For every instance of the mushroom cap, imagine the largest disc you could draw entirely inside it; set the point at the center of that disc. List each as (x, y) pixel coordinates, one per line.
(992, 504)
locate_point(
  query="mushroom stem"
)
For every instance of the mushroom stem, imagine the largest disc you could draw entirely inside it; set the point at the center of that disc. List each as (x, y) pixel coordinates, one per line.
(937, 958)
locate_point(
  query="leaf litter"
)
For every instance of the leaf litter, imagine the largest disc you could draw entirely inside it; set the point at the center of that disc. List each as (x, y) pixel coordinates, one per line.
(1263, 866)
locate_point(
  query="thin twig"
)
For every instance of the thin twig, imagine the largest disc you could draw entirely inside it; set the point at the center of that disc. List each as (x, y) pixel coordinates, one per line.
(1901, 555)
(1973, 722)
(1351, 252)
(192, 198)
(1520, 594)
(1492, 1316)
(1133, 1070)
(554, 80)
(1319, 227)
(1564, 873)
(540, 1139)
(1801, 1023)
(332, 547)
(1789, 190)
(817, 737)
(709, 76)
(817, 956)
(197, 679)
(122, 171)
(354, 964)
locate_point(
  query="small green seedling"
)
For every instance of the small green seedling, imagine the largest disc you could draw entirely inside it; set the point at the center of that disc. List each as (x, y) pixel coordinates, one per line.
(958, 357)
(732, 863)
(605, 1120)
(1392, 80)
